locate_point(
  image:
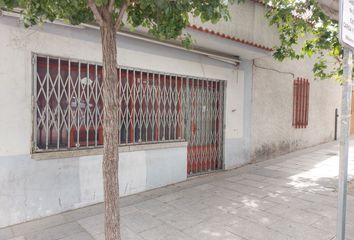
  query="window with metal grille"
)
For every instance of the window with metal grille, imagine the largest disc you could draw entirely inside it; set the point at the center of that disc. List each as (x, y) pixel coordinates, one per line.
(69, 107)
(155, 107)
(301, 103)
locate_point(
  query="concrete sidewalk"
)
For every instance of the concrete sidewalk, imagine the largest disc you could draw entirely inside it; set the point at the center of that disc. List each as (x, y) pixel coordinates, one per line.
(290, 197)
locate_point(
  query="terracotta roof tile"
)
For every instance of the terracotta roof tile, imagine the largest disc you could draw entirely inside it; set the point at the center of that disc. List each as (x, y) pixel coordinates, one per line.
(232, 38)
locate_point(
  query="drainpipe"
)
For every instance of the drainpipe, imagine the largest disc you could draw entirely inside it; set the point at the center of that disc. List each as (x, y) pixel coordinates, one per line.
(336, 115)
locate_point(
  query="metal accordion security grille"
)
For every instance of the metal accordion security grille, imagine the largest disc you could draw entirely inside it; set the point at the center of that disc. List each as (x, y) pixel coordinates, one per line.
(155, 108)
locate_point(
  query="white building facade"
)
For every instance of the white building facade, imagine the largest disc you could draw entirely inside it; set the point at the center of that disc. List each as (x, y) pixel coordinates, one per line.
(184, 112)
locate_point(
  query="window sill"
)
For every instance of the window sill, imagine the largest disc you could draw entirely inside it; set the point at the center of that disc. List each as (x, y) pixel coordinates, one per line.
(99, 151)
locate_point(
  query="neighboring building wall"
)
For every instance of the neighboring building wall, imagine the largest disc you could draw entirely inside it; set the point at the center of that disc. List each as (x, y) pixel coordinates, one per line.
(272, 108)
(272, 89)
(31, 188)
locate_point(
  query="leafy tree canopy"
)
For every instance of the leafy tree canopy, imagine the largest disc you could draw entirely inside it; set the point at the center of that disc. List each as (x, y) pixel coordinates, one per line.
(305, 30)
(164, 18)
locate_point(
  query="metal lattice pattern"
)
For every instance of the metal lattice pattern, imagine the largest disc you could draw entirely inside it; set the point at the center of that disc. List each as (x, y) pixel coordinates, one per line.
(204, 125)
(155, 107)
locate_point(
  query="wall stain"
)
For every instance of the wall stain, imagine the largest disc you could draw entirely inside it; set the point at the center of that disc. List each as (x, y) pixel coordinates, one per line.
(270, 150)
(59, 201)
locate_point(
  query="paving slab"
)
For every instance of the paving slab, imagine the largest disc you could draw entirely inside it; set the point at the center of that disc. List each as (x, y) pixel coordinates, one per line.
(6, 233)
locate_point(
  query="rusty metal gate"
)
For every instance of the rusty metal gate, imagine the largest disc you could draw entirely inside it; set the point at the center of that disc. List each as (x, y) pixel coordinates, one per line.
(155, 108)
(204, 125)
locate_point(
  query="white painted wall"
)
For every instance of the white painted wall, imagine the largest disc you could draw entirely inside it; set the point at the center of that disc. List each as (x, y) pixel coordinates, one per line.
(31, 188)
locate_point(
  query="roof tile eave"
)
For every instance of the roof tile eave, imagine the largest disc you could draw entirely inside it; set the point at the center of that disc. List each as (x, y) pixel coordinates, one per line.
(232, 38)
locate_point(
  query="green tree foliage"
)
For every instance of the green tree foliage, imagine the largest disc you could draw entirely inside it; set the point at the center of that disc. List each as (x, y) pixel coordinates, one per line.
(165, 19)
(306, 31)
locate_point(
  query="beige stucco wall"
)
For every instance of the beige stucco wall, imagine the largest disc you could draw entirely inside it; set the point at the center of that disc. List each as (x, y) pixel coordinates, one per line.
(272, 108)
(247, 23)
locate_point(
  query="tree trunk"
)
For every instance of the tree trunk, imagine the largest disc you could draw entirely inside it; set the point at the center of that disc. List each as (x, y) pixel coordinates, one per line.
(110, 132)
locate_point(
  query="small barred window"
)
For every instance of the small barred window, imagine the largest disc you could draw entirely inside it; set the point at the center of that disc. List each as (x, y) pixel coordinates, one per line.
(301, 103)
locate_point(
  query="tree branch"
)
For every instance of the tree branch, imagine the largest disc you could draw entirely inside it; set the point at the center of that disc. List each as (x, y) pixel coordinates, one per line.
(96, 13)
(111, 5)
(339, 60)
(122, 10)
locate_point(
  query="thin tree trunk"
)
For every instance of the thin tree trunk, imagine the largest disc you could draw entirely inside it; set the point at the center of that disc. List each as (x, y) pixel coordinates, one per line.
(110, 132)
